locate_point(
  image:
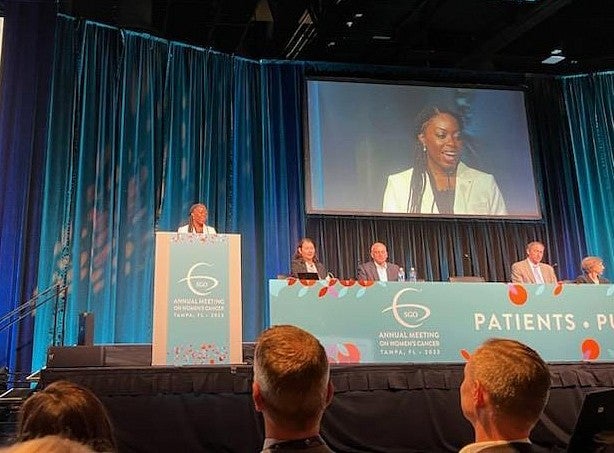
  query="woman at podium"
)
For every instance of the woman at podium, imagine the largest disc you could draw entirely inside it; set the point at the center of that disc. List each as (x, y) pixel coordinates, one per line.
(197, 221)
(305, 260)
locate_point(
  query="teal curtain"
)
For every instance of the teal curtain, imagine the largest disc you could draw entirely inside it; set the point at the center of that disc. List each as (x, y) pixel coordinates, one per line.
(590, 103)
(141, 129)
(99, 194)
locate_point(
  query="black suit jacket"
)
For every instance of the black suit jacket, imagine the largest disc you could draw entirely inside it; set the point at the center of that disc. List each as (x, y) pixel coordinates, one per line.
(299, 266)
(584, 279)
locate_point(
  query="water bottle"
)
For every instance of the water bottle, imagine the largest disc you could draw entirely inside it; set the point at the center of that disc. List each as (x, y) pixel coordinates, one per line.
(412, 275)
(401, 274)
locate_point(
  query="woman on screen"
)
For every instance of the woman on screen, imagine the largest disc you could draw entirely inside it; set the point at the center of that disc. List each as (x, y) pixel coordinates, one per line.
(306, 260)
(438, 182)
(593, 268)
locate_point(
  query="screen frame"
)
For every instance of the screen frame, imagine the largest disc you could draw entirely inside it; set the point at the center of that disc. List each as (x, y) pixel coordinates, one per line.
(532, 155)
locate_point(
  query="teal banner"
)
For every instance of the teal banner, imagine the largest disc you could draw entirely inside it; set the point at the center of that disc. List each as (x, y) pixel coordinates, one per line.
(384, 322)
(198, 301)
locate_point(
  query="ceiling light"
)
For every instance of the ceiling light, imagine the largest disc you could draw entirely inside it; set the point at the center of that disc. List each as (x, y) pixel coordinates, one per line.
(553, 59)
(556, 56)
(381, 38)
(358, 15)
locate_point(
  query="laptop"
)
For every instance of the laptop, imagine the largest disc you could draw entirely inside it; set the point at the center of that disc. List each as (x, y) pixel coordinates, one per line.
(595, 425)
(308, 275)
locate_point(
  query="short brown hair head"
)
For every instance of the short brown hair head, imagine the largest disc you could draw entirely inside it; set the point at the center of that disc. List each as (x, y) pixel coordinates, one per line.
(68, 410)
(291, 368)
(515, 376)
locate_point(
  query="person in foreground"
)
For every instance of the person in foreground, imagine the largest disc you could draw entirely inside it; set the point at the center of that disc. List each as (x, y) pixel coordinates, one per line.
(197, 221)
(438, 182)
(504, 391)
(306, 260)
(532, 270)
(48, 444)
(291, 388)
(593, 268)
(68, 410)
(379, 268)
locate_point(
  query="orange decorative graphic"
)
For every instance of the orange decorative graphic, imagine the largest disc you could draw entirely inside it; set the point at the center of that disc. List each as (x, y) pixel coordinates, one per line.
(322, 291)
(465, 354)
(590, 349)
(366, 283)
(349, 282)
(517, 293)
(558, 289)
(352, 356)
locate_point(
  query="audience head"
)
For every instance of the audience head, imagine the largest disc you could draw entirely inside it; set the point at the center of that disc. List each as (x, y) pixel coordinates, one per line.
(593, 265)
(291, 380)
(68, 410)
(48, 444)
(379, 253)
(535, 251)
(505, 390)
(306, 250)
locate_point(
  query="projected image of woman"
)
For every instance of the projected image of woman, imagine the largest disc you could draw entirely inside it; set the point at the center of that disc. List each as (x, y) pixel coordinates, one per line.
(438, 182)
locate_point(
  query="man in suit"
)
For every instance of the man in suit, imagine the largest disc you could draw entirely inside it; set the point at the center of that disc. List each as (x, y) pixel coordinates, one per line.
(379, 268)
(532, 270)
(503, 393)
(291, 388)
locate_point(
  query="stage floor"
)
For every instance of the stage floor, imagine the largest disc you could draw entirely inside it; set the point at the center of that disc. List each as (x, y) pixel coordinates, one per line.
(376, 408)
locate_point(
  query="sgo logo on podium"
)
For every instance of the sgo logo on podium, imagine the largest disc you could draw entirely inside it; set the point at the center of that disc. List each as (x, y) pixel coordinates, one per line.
(408, 315)
(198, 282)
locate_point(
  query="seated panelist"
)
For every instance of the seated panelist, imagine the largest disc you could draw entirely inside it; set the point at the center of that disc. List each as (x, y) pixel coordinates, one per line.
(306, 260)
(379, 269)
(197, 222)
(593, 268)
(532, 270)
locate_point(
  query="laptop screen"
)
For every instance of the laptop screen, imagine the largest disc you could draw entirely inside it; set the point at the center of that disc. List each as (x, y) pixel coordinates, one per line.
(595, 424)
(308, 276)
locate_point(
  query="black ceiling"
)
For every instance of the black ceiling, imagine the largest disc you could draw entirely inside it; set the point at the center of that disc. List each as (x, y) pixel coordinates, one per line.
(493, 35)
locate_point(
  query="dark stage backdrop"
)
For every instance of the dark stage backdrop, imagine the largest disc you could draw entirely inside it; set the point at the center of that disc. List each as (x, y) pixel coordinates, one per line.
(140, 128)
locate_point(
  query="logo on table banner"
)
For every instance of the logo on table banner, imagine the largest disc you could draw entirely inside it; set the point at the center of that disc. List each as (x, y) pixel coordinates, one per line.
(408, 315)
(198, 282)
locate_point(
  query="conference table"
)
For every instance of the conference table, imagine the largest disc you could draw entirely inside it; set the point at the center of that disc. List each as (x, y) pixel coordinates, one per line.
(434, 322)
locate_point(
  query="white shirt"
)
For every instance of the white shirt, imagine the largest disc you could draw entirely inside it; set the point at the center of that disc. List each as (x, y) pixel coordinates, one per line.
(382, 271)
(206, 229)
(479, 446)
(537, 273)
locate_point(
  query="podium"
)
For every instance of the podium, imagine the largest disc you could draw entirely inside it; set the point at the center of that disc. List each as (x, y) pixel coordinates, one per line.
(197, 299)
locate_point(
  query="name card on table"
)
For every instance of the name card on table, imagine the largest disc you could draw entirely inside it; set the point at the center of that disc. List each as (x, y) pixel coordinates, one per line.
(384, 322)
(197, 299)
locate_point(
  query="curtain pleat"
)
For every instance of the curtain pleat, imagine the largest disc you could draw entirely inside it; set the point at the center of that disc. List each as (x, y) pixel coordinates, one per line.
(590, 103)
(25, 76)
